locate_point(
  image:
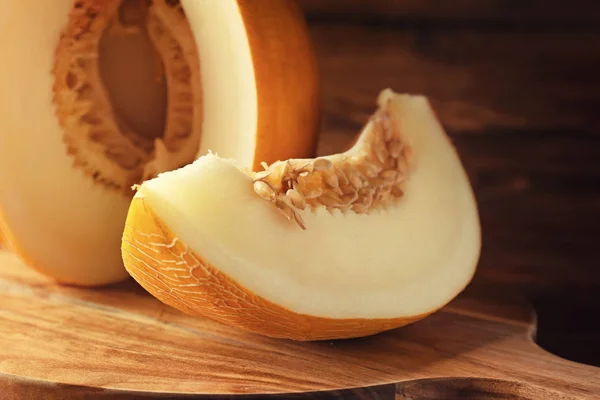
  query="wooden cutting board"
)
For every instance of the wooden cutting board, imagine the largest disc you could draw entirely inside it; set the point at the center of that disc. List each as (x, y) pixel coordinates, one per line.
(60, 342)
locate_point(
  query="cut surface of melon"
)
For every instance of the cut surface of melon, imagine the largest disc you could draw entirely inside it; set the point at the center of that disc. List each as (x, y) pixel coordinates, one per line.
(98, 95)
(260, 79)
(201, 239)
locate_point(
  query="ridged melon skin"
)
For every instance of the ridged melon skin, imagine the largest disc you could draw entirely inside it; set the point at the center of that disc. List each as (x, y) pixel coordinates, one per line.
(215, 295)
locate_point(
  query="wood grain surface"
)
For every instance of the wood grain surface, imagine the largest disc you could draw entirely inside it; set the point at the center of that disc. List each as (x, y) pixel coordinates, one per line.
(121, 341)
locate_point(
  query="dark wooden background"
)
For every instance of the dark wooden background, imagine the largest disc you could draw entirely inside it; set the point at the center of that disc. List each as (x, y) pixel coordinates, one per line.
(516, 83)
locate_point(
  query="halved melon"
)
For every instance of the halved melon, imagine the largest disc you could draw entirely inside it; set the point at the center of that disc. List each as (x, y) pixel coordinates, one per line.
(340, 246)
(98, 95)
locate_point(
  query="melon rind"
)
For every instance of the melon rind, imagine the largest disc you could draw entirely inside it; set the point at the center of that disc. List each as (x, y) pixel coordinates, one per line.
(202, 241)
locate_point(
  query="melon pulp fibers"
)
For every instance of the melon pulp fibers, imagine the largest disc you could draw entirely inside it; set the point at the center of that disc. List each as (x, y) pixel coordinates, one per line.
(98, 95)
(202, 240)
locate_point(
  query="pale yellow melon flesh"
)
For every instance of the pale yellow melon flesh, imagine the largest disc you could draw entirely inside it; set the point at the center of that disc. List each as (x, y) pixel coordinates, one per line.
(199, 238)
(260, 79)
(66, 222)
(57, 217)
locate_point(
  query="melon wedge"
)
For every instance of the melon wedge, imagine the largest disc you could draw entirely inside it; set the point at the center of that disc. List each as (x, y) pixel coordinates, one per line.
(340, 246)
(98, 95)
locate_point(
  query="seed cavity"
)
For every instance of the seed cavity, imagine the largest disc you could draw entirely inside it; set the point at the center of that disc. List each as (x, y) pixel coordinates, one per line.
(358, 181)
(127, 89)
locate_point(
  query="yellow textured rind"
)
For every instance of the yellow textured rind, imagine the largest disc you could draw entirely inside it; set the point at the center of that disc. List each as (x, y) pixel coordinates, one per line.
(288, 97)
(174, 274)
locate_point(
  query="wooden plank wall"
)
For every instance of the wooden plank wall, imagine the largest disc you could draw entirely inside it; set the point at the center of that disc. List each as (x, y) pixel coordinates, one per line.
(496, 63)
(547, 12)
